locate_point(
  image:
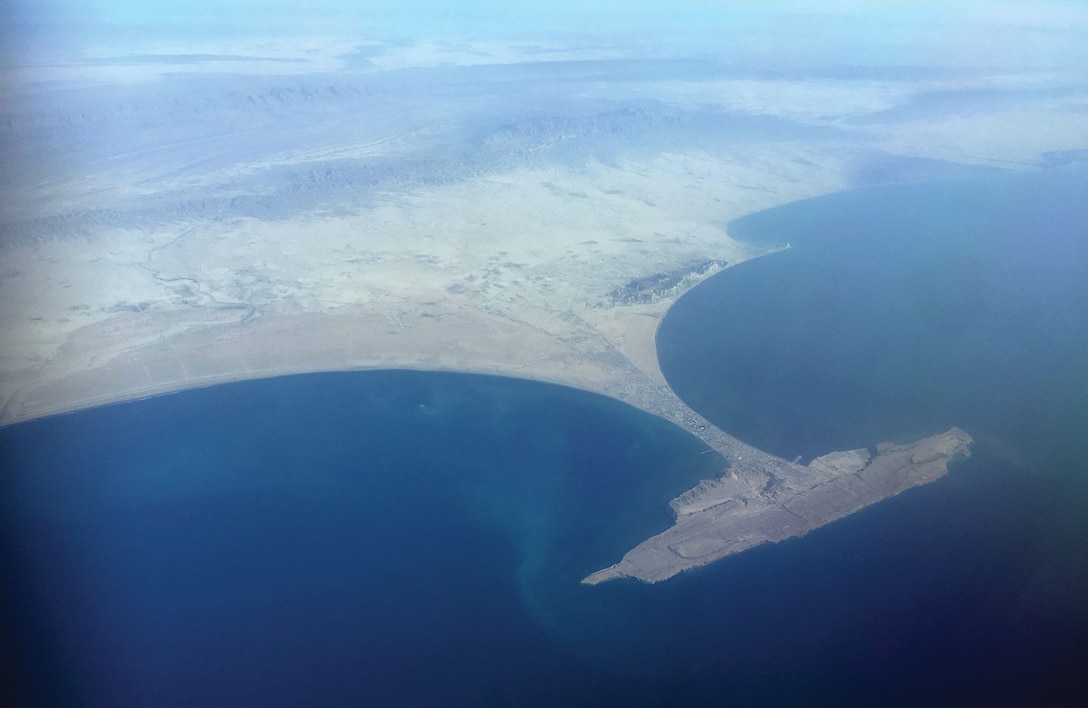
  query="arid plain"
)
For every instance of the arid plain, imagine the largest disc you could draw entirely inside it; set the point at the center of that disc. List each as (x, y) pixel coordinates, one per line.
(181, 216)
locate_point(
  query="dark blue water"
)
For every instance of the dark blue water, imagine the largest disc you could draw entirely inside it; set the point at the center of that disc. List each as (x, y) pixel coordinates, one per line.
(399, 538)
(899, 311)
(322, 539)
(896, 313)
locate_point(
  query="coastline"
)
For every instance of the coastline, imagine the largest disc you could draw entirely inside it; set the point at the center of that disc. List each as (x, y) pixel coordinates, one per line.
(765, 500)
(136, 355)
(607, 351)
(572, 297)
(277, 223)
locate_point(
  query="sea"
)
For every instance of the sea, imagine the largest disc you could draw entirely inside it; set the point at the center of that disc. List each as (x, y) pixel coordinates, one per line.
(402, 538)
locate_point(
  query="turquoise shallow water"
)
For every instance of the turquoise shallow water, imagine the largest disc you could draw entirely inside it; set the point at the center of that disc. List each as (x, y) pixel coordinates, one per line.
(401, 538)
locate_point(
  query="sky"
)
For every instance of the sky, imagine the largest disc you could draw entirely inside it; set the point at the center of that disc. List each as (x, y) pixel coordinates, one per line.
(1013, 35)
(989, 33)
(529, 14)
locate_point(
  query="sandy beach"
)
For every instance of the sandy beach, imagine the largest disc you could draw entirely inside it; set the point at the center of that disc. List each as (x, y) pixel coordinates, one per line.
(183, 220)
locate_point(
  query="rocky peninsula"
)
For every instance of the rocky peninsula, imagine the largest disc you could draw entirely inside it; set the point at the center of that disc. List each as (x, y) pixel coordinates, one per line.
(764, 499)
(177, 217)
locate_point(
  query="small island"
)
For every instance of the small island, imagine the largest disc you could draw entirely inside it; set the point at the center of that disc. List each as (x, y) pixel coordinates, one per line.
(765, 499)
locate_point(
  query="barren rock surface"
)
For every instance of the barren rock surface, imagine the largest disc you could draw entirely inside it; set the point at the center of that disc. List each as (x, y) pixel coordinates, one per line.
(766, 500)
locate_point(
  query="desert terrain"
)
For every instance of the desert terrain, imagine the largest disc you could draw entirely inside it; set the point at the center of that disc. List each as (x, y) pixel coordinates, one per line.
(179, 216)
(175, 215)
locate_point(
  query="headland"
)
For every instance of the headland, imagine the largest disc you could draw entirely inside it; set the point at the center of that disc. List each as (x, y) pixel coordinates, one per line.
(177, 220)
(764, 499)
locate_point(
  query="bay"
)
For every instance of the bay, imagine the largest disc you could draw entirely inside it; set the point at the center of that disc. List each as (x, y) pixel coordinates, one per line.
(408, 538)
(895, 313)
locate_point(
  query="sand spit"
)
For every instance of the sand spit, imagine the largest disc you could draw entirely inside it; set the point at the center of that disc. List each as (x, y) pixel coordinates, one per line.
(171, 220)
